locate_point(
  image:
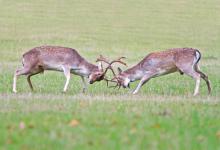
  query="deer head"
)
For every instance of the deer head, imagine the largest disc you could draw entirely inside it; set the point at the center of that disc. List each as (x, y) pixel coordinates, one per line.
(100, 75)
(121, 79)
(97, 75)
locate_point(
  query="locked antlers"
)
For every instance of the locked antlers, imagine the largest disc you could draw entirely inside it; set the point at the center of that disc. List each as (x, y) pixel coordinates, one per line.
(103, 59)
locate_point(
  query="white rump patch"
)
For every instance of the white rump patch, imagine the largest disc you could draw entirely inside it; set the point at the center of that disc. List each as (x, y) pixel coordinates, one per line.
(197, 56)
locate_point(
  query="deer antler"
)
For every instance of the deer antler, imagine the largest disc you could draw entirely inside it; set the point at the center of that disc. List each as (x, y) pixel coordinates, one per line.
(119, 60)
(112, 80)
(103, 59)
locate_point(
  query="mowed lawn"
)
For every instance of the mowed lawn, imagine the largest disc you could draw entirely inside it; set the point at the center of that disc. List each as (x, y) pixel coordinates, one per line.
(163, 115)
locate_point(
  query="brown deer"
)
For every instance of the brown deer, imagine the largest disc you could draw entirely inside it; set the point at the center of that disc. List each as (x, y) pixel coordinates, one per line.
(183, 60)
(63, 59)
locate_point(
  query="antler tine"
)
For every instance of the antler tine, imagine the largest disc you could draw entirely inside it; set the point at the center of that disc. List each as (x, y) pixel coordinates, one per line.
(119, 61)
(110, 67)
(112, 80)
(101, 58)
(115, 86)
(114, 74)
(121, 58)
(107, 80)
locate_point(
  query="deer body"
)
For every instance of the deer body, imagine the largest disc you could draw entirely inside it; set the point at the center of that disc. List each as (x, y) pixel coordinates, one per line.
(56, 58)
(183, 60)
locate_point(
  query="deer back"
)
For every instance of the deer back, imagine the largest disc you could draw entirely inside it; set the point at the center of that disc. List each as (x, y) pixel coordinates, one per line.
(54, 57)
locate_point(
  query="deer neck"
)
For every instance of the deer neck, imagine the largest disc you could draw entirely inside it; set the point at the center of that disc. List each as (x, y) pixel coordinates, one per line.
(134, 73)
(85, 69)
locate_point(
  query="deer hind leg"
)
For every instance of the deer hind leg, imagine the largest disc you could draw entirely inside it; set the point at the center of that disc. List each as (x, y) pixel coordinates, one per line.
(66, 71)
(19, 72)
(204, 77)
(29, 82)
(30, 75)
(190, 71)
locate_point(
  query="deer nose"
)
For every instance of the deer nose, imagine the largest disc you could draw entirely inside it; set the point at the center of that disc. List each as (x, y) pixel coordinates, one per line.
(90, 82)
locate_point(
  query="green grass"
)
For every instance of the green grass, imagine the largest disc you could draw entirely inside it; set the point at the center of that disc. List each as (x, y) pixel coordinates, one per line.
(113, 124)
(164, 115)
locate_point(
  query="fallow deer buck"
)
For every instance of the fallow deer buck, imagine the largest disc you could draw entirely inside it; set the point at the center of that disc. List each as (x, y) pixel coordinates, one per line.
(63, 59)
(183, 60)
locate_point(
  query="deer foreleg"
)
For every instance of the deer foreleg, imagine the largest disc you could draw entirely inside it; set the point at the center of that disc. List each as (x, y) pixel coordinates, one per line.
(23, 71)
(84, 84)
(29, 78)
(67, 75)
(141, 83)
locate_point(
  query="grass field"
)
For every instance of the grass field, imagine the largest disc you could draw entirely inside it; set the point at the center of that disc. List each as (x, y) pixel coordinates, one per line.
(164, 115)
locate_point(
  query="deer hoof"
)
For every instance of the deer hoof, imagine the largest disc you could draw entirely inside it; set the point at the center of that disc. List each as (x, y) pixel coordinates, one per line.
(135, 92)
(195, 94)
(84, 90)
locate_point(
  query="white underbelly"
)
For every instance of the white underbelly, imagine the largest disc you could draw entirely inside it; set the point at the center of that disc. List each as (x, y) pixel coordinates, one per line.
(161, 72)
(53, 67)
(81, 71)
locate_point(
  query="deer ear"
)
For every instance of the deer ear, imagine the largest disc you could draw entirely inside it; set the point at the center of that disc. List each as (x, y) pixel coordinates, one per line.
(100, 66)
(119, 70)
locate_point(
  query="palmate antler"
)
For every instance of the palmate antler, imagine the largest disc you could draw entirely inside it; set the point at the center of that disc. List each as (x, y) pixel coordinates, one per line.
(119, 60)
